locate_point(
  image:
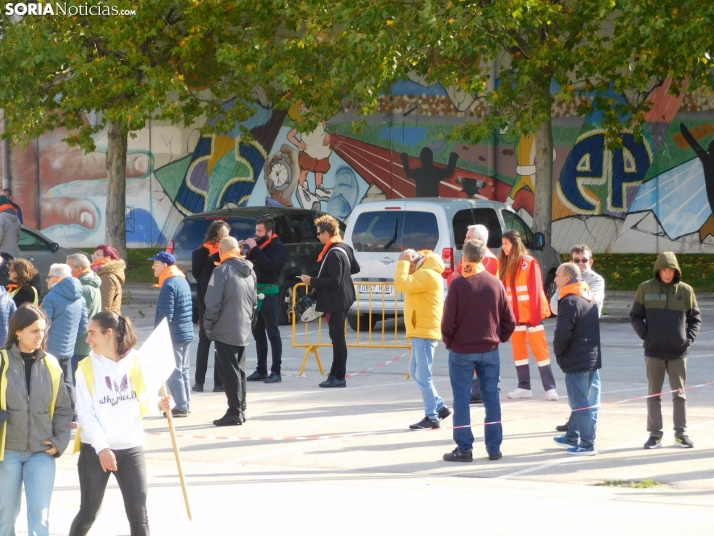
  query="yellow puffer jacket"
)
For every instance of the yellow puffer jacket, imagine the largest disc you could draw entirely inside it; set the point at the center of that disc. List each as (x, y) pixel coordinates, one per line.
(423, 297)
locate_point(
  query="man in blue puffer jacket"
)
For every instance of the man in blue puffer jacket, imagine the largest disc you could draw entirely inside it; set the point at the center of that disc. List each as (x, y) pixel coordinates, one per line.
(175, 305)
(66, 311)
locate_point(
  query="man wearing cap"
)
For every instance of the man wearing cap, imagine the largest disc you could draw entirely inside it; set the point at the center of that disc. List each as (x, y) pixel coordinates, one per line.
(176, 307)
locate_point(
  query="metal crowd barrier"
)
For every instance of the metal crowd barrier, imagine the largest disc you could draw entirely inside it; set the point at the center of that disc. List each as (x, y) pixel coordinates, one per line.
(377, 301)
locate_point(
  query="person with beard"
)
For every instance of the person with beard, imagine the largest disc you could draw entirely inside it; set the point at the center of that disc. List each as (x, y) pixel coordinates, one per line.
(203, 262)
(268, 254)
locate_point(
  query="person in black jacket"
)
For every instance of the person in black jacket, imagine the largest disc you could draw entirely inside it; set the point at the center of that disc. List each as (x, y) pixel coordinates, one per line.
(203, 261)
(335, 292)
(268, 254)
(576, 344)
(25, 283)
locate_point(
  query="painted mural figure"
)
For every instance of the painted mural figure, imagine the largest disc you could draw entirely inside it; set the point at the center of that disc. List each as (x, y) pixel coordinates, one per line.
(281, 176)
(428, 176)
(707, 159)
(314, 156)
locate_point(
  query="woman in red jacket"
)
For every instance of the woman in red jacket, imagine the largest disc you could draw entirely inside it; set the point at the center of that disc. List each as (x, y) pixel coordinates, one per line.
(521, 275)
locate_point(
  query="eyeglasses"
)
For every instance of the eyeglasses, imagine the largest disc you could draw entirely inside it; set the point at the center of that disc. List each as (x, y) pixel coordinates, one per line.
(584, 260)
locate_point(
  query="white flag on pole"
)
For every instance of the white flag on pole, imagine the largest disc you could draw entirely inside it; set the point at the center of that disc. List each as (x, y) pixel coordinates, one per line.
(156, 358)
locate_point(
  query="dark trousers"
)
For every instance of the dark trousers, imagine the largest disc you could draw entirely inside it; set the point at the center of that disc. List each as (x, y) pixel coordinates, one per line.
(267, 321)
(231, 367)
(66, 365)
(336, 324)
(204, 347)
(131, 477)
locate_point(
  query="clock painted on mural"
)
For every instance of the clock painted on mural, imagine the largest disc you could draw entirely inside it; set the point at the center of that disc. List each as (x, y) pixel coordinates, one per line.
(280, 174)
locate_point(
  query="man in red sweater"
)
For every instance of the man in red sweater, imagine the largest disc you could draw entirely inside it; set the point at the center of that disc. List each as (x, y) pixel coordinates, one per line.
(490, 263)
(477, 318)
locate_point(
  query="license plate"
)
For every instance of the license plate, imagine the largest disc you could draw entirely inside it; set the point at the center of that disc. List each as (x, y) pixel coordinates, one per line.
(387, 290)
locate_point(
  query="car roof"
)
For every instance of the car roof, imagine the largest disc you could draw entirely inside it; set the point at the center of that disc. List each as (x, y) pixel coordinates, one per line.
(455, 203)
(249, 212)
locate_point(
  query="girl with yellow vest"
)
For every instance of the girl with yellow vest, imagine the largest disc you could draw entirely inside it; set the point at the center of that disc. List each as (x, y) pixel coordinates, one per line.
(521, 275)
(35, 422)
(111, 403)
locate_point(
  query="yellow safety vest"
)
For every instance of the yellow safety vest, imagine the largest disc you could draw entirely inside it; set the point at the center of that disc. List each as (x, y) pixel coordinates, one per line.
(35, 301)
(137, 382)
(55, 373)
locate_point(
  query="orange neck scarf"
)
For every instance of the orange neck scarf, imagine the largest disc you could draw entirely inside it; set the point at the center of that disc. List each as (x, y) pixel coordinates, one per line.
(331, 242)
(169, 272)
(12, 286)
(95, 266)
(7, 206)
(232, 254)
(265, 244)
(471, 269)
(212, 247)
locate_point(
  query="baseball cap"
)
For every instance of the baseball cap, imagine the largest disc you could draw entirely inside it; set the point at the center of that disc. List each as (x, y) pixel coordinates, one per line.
(165, 257)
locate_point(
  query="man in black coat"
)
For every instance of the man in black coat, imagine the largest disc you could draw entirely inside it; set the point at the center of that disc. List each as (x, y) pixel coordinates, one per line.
(203, 261)
(335, 292)
(268, 254)
(576, 344)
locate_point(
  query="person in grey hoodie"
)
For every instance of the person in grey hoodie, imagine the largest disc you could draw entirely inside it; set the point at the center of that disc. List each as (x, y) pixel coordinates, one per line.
(231, 304)
(34, 422)
(79, 264)
(66, 311)
(9, 228)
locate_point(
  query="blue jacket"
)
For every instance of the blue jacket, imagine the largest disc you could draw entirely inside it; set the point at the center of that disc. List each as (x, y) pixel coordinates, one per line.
(66, 310)
(7, 308)
(175, 305)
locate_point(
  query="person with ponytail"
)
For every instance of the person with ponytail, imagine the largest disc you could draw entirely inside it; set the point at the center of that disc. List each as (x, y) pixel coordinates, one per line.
(521, 275)
(35, 422)
(112, 400)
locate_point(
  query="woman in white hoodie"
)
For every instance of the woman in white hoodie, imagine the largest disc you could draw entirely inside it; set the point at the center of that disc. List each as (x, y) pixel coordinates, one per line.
(111, 402)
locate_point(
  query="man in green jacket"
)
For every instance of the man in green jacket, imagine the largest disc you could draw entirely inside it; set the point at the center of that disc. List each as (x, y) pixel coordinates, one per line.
(666, 317)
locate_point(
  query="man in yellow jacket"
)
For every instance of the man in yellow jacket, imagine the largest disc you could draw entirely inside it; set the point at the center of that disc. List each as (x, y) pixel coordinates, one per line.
(419, 278)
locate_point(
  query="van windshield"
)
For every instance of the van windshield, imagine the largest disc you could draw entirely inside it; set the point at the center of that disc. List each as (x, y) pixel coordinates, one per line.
(192, 232)
(396, 231)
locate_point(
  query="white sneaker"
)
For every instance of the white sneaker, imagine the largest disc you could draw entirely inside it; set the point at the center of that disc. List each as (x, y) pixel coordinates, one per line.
(520, 393)
(307, 199)
(551, 394)
(323, 193)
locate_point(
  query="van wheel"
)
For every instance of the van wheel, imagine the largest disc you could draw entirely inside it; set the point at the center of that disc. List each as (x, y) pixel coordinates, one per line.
(363, 321)
(285, 313)
(550, 287)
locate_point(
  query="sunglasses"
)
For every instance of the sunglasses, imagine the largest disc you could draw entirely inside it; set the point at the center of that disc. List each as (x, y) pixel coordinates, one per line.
(584, 260)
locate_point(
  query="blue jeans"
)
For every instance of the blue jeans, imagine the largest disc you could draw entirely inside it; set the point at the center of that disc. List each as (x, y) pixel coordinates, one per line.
(420, 369)
(37, 471)
(179, 383)
(582, 394)
(461, 373)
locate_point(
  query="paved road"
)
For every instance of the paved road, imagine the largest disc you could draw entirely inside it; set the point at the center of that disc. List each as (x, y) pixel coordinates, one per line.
(359, 469)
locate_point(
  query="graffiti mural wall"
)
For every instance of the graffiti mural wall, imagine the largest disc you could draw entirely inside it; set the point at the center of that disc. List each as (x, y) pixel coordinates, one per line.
(647, 195)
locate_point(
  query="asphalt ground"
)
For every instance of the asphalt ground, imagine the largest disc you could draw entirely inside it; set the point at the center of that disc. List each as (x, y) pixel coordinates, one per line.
(326, 461)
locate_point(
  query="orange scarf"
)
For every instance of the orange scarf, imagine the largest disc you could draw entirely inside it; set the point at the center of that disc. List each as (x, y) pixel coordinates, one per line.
(232, 254)
(265, 244)
(212, 247)
(331, 242)
(471, 269)
(7, 206)
(12, 286)
(95, 266)
(168, 273)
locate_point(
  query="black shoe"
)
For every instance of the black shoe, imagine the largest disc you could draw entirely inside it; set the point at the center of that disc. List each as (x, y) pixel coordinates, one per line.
(653, 443)
(273, 378)
(256, 377)
(229, 420)
(476, 400)
(331, 381)
(494, 457)
(444, 413)
(178, 413)
(684, 442)
(197, 388)
(424, 424)
(219, 389)
(562, 428)
(457, 455)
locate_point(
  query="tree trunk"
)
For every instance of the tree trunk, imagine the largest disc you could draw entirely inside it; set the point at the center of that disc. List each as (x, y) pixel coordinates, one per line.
(543, 212)
(116, 187)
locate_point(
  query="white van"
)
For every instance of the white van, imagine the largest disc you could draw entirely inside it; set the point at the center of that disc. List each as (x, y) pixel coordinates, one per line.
(379, 232)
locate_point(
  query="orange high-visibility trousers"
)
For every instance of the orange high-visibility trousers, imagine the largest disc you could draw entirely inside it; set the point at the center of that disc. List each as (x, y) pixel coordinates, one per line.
(539, 345)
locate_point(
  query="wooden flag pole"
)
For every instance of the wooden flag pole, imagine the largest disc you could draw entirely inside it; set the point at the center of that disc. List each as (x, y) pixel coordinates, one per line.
(177, 454)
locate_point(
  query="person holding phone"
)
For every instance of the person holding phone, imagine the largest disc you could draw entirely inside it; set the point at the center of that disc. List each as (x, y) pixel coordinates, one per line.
(36, 419)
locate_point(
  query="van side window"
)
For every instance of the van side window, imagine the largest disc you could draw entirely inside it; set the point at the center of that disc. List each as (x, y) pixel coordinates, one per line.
(513, 221)
(483, 216)
(282, 230)
(421, 231)
(303, 227)
(378, 231)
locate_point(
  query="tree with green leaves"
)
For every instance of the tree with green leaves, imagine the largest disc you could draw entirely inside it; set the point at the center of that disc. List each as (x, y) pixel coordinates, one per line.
(124, 70)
